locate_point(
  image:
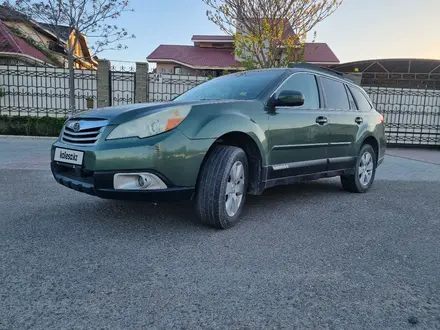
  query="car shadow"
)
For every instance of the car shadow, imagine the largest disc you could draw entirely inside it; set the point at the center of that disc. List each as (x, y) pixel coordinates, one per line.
(140, 215)
(183, 213)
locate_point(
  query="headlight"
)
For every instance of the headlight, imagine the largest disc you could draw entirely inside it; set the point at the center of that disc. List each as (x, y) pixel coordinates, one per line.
(150, 125)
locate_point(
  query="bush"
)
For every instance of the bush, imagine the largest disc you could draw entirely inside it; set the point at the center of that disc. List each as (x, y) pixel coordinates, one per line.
(32, 126)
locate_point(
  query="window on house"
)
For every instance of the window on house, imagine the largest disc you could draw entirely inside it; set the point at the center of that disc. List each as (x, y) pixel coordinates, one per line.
(177, 70)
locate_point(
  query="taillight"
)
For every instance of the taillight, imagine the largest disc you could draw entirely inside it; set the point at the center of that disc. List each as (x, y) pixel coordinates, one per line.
(382, 120)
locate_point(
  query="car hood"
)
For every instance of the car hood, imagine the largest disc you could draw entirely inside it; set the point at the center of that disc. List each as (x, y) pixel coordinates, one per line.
(123, 113)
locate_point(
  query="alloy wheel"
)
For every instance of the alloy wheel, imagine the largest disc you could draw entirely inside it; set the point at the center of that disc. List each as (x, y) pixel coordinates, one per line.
(365, 170)
(234, 188)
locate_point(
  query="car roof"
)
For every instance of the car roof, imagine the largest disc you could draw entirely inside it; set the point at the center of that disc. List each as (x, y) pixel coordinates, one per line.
(319, 69)
(308, 67)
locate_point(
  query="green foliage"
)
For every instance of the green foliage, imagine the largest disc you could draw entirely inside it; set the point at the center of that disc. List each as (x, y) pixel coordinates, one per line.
(269, 33)
(32, 126)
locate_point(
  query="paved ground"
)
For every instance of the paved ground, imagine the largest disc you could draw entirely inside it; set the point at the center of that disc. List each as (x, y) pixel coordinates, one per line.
(304, 256)
(427, 156)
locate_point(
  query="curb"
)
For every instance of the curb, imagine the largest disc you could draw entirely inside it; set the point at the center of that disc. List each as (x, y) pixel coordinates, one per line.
(28, 137)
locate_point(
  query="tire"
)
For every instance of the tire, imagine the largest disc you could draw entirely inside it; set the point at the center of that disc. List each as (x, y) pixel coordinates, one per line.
(356, 182)
(213, 205)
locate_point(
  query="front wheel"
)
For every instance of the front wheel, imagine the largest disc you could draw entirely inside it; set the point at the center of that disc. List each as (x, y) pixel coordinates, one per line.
(365, 171)
(222, 187)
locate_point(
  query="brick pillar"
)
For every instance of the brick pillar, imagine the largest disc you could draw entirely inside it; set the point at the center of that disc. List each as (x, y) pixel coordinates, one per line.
(141, 83)
(103, 83)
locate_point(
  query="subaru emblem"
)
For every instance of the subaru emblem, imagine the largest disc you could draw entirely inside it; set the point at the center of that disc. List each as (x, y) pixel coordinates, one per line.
(76, 126)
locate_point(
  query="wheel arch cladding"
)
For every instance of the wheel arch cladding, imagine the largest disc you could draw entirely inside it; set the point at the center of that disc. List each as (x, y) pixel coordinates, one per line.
(252, 151)
(372, 141)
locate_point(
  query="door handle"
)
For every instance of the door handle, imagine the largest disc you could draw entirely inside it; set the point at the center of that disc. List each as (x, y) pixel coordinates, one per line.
(359, 120)
(321, 120)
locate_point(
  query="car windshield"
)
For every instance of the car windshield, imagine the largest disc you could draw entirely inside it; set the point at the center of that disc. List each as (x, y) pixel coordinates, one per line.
(238, 86)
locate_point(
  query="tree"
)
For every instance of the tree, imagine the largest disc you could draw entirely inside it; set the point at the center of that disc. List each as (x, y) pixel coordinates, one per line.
(85, 18)
(269, 33)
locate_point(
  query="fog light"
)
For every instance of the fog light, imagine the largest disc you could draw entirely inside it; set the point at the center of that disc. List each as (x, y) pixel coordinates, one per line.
(144, 181)
(141, 181)
(137, 181)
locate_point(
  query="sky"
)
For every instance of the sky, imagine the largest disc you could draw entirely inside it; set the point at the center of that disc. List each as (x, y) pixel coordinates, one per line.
(358, 30)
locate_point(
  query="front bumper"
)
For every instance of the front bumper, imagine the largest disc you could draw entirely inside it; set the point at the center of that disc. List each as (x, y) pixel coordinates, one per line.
(171, 156)
(100, 184)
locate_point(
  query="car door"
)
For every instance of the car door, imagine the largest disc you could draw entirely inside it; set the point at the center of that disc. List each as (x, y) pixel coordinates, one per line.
(298, 135)
(343, 123)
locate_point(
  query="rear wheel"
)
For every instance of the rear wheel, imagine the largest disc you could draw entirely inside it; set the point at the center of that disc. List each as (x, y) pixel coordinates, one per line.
(365, 171)
(222, 186)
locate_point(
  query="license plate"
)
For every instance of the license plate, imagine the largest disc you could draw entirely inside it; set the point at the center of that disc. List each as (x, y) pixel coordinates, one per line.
(69, 156)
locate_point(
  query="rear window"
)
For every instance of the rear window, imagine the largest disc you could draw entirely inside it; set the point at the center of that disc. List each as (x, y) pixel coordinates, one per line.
(335, 94)
(360, 98)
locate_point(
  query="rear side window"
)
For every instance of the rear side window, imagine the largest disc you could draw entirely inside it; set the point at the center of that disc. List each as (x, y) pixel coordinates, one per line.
(361, 100)
(335, 94)
(353, 105)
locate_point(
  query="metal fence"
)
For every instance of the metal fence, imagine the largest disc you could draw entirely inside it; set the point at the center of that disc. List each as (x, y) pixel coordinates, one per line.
(27, 90)
(410, 104)
(164, 87)
(43, 90)
(412, 116)
(122, 85)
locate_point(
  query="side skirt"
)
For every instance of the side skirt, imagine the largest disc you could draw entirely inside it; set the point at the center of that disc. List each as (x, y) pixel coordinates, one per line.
(305, 177)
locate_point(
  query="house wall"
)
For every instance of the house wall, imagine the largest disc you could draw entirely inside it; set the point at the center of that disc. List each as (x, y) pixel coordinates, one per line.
(30, 32)
(44, 40)
(7, 60)
(39, 38)
(225, 44)
(246, 54)
(169, 68)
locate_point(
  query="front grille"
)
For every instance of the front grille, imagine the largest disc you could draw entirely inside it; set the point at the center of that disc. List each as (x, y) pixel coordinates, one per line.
(83, 132)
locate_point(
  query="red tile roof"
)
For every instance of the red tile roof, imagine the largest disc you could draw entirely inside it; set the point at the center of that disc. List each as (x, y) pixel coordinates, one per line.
(196, 57)
(212, 37)
(10, 43)
(319, 52)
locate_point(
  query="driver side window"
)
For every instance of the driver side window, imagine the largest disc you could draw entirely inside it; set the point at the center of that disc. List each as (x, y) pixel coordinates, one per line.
(306, 84)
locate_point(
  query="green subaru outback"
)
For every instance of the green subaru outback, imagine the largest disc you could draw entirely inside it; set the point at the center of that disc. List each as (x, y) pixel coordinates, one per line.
(234, 135)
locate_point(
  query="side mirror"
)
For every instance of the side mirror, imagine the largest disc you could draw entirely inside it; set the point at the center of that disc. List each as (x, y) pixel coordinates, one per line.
(288, 98)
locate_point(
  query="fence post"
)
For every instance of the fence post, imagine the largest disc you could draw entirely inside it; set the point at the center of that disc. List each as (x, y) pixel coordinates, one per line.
(141, 83)
(103, 83)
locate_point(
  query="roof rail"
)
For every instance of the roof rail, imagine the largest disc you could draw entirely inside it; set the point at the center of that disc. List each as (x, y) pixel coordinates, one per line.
(315, 67)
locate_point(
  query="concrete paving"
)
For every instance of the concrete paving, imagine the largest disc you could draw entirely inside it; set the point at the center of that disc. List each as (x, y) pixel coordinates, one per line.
(424, 155)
